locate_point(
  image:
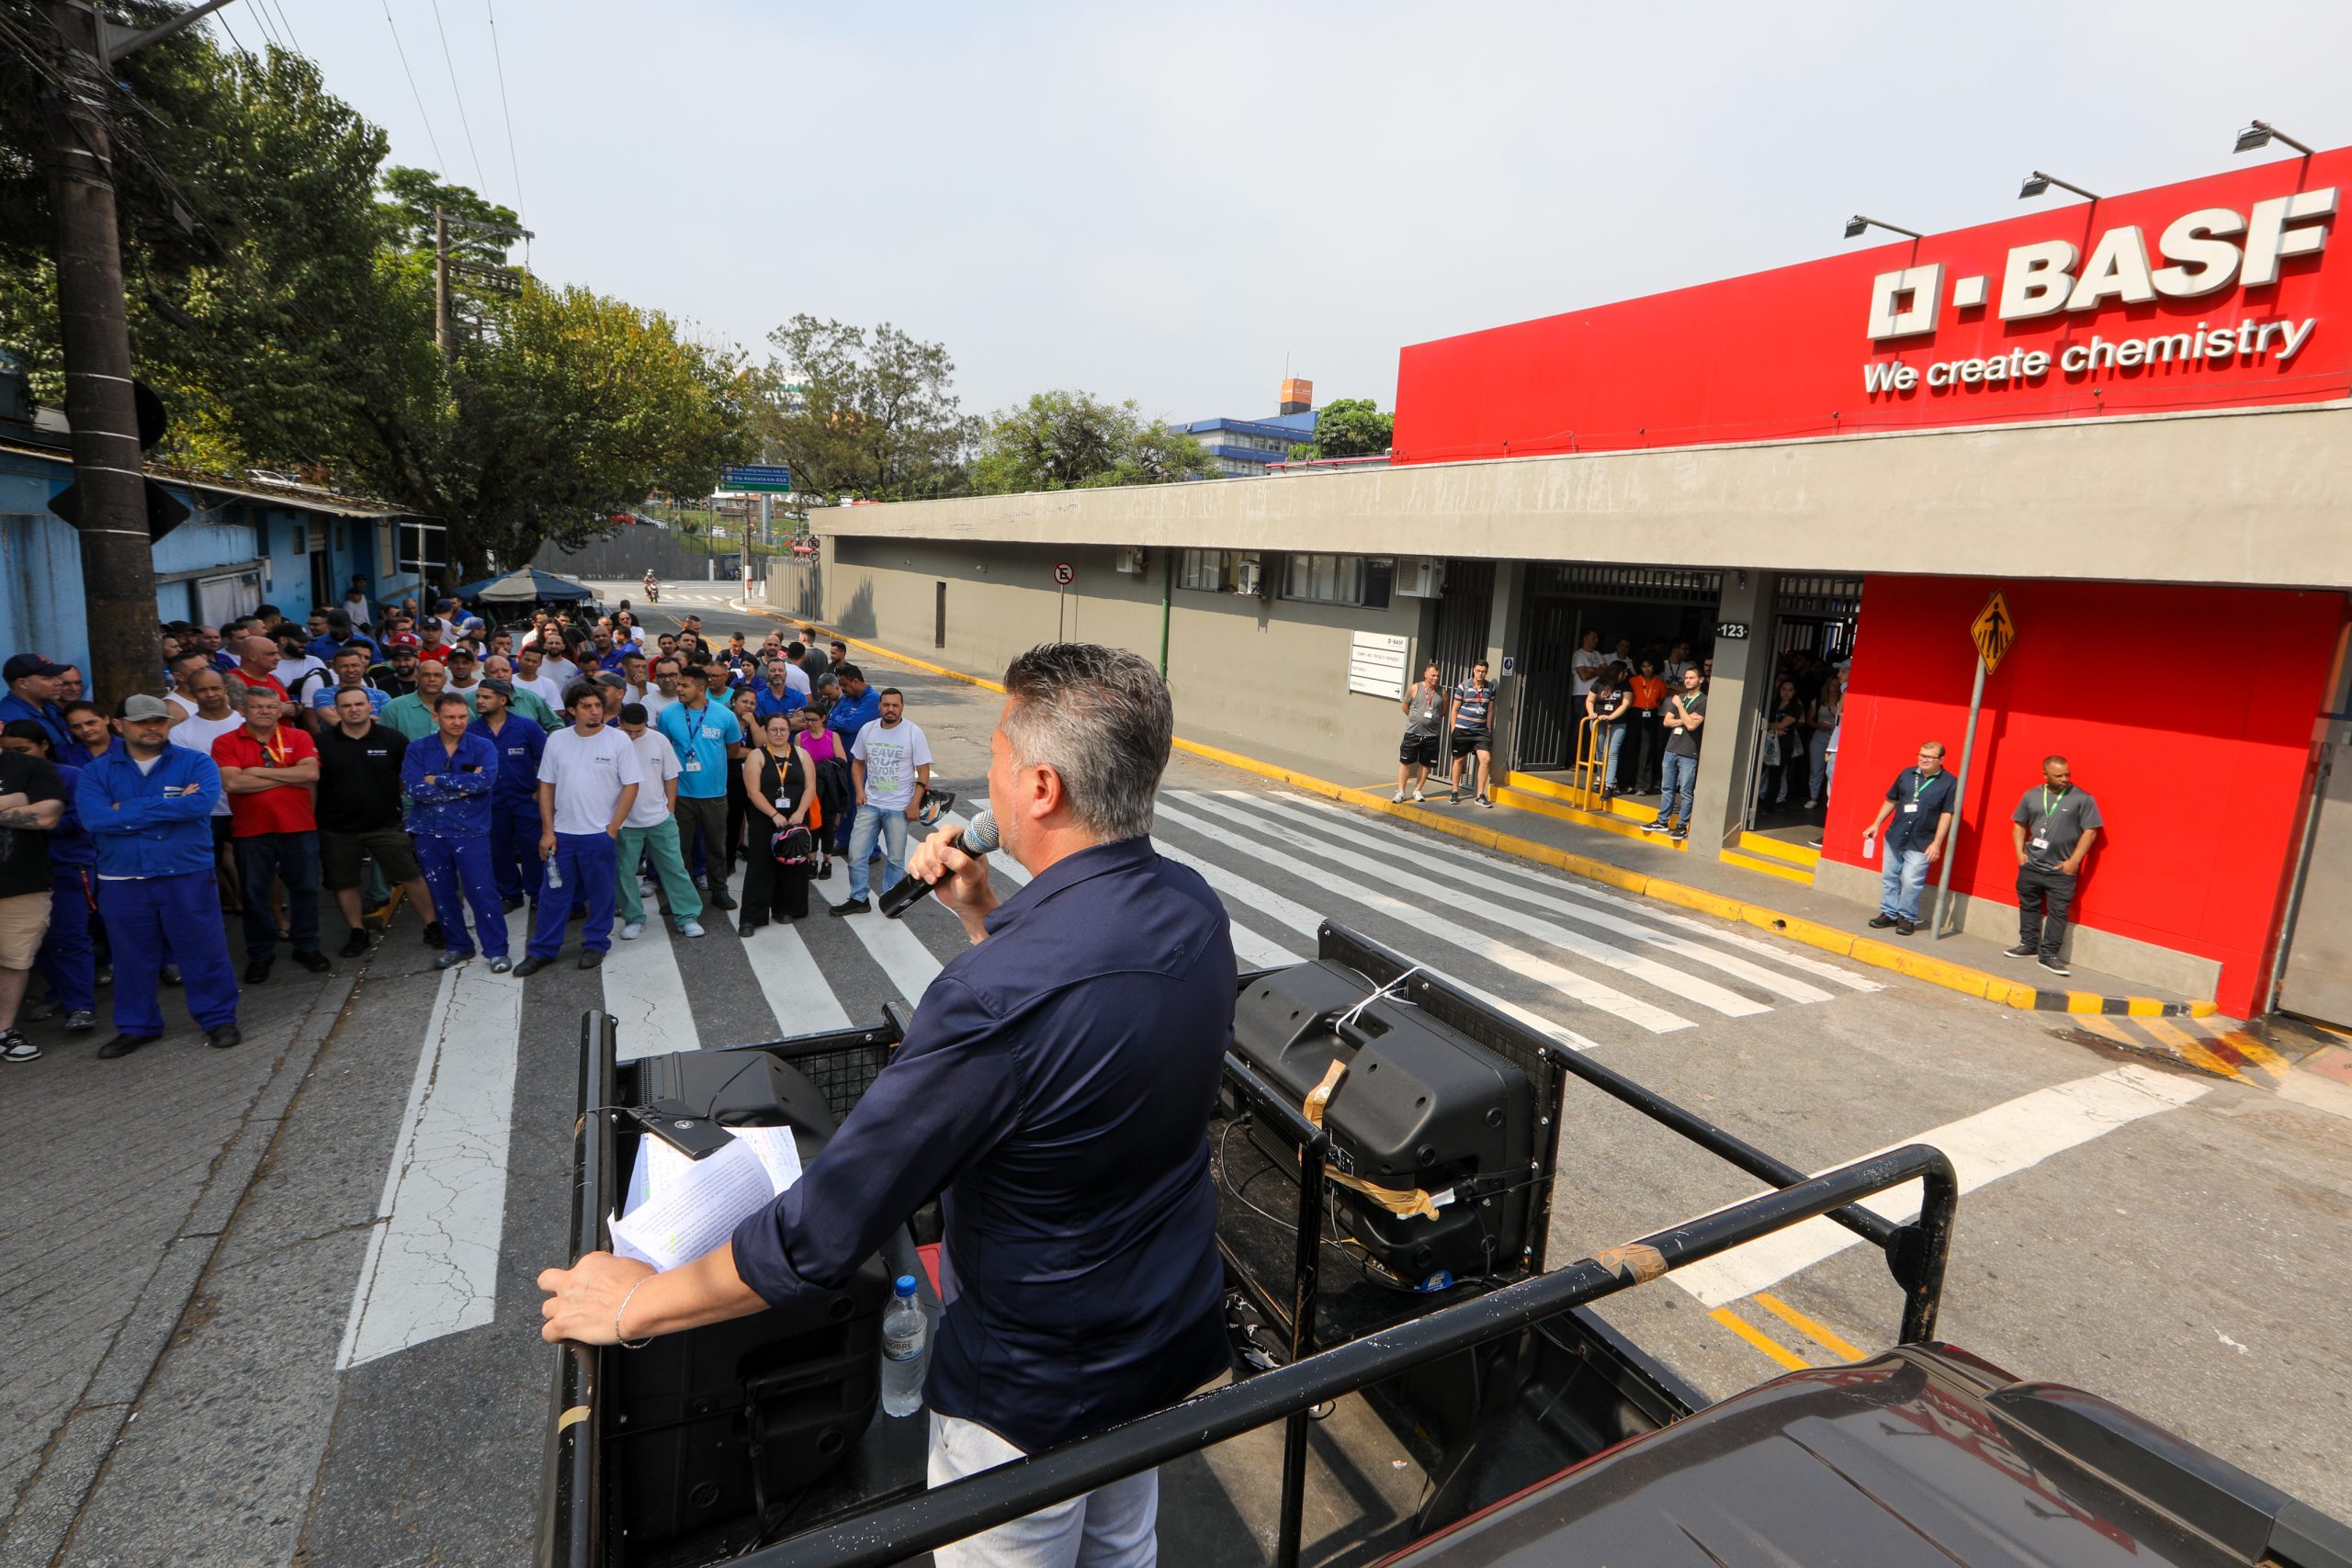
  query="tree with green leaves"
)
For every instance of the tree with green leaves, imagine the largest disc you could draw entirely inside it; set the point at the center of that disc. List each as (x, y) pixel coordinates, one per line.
(1347, 427)
(1073, 440)
(284, 313)
(853, 412)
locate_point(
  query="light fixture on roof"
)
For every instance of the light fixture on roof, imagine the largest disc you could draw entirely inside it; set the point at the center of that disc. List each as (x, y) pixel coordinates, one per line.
(1857, 224)
(2038, 183)
(2260, 133)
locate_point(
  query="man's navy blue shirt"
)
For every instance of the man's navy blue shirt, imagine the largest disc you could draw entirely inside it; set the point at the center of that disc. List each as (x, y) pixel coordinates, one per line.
(1057, 1083)
(1918, 802)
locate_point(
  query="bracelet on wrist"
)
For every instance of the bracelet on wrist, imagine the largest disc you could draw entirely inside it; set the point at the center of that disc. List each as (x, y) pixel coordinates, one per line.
(619, 1337)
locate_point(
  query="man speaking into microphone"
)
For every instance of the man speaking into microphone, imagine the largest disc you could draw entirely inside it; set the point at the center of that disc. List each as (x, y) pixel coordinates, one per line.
(1055, 1090)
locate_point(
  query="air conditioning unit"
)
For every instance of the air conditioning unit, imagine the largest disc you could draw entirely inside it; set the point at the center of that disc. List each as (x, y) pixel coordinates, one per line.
(1130, 559)
(1249, 579)
(1420, 578)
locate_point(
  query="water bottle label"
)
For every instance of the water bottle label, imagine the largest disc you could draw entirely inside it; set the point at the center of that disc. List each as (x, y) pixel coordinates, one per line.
(892, 1353)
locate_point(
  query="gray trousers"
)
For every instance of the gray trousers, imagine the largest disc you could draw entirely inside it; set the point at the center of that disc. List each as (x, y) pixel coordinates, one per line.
(706, 816)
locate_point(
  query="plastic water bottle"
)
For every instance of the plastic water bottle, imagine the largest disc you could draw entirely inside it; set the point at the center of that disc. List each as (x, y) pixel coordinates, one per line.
(905, 1338)
(555, 877)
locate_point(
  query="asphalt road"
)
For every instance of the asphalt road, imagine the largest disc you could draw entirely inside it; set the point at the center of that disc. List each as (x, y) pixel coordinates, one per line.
(275, 1305)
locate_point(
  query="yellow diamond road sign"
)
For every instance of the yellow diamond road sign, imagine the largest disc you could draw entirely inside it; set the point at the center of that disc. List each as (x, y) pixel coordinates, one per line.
(1994, 633)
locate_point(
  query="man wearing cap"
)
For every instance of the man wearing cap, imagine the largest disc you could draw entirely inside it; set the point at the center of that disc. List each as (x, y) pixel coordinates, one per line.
(518, 742)
(149, 806)
(522, 699)
(396, 676)
(588, 782)
(412, 715)
(465, 672)
(448, 778)
(32, 693)
(270, 769)
(651, 834)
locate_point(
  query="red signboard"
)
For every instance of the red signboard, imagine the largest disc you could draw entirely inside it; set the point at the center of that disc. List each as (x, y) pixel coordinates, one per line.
(2216, 292)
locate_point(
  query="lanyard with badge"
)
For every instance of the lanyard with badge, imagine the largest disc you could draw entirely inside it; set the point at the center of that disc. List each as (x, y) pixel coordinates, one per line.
(1918, 789)
(2049, 805)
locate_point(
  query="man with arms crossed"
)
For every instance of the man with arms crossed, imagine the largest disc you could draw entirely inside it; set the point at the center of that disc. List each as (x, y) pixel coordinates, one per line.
(1054, 1089)
(359, 810)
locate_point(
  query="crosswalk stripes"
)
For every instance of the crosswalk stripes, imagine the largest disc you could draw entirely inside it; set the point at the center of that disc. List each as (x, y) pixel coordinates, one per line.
(1675, 982)
(431, 1267)
(794, 985)
(1306, 923)
(1714, 931)
(645, 993)
(1557, 977)
(893, 944)
(1470, 874)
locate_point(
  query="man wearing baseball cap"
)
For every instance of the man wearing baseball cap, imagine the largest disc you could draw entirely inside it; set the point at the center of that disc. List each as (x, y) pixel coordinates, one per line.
(149, 805)
(32, 693)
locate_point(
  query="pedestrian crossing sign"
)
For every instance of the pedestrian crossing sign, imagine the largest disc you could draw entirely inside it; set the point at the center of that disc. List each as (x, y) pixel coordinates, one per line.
(1994, 631)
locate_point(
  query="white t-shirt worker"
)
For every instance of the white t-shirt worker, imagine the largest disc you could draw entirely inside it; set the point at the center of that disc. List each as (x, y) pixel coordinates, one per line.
(657, 762)
(589, 772)
(891, 754)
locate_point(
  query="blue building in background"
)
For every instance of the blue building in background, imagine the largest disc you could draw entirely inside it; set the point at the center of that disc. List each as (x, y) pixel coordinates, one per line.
(247, 541)
(1243, 448)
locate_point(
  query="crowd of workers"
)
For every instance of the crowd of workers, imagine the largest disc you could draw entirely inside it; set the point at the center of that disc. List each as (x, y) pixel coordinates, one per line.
(575, 767)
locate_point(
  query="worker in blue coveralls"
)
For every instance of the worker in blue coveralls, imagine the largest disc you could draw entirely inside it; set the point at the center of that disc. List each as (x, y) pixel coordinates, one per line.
(449, 777)
(149, 805)
(514, 804)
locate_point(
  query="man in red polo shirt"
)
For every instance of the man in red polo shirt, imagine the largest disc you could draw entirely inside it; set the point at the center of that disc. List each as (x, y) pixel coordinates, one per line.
(269, 771)
(257, 667)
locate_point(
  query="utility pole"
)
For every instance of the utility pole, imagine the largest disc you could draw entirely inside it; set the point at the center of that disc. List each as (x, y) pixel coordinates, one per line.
(110, 478)
(443, 339)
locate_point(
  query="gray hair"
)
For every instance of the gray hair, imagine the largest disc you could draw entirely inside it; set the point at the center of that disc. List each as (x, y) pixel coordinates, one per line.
(1101, 718)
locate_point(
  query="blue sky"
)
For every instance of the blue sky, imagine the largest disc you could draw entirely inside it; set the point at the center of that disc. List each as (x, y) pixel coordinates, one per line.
(1169, 203)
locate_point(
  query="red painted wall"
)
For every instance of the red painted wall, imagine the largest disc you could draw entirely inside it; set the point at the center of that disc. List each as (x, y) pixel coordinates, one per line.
(2188, 713)
(1779, 355)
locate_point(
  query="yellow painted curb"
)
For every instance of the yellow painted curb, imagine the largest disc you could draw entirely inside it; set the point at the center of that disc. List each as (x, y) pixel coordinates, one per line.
(1828, 938)
(1802, 857)
(1623, 827)
(1780, 869)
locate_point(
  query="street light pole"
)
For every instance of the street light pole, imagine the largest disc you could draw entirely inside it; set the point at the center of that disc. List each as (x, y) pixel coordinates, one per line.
(109, 481)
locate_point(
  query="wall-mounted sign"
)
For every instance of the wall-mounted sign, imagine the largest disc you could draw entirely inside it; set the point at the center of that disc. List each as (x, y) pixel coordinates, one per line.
(1733, 631)
(2219, 292)
(1510, 665)
(1376, 665)
(1064, 574)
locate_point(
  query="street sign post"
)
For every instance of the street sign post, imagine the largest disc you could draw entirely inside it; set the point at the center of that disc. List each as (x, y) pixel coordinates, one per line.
(758, 478)
(1063, 575)
(1995, 631)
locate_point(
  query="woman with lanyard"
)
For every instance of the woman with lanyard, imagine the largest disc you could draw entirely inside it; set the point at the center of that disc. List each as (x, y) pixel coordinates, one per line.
(779, 781)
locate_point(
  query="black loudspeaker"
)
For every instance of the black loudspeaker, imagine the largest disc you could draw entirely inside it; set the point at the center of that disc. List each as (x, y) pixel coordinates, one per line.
(726, 1425)
(1421, 1107)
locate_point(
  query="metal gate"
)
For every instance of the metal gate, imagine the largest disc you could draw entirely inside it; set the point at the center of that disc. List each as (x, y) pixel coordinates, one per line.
(2315, 973)
(1465, 614)
(1546, 736)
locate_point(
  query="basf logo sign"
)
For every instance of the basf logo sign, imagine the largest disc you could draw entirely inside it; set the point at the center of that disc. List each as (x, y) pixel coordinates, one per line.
(2216, 293)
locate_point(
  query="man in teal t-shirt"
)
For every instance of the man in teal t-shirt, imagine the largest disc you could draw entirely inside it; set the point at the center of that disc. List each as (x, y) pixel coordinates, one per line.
(708, 742)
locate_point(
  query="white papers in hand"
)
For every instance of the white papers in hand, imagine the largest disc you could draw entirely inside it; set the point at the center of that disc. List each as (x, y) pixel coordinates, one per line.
(681, 1207)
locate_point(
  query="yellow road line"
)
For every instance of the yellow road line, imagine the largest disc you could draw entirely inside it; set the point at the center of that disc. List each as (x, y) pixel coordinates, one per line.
(2107, 1029)
(1760, 1339)
(2189, 1048)
(1818, 1333)
(2255, 1051)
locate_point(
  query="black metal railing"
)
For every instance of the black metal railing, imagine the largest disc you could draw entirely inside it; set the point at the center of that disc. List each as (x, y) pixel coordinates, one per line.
(981, 1502)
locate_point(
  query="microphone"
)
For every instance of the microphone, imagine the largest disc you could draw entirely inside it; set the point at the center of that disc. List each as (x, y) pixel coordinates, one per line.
(977, 840)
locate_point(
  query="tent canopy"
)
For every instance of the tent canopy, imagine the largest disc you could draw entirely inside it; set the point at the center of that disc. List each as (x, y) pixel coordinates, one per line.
(527, 585)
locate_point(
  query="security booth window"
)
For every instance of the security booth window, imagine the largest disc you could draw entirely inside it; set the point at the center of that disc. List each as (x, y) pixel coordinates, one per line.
(1340, 580)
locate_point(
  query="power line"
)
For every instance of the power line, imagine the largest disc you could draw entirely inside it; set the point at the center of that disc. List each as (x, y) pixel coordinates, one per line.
(522, 211)
(459, 93)
(440, 164)
(284, 26)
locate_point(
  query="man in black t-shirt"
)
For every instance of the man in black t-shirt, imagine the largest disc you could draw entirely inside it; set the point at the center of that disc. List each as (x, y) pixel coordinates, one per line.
(32, 802)
(1685, 713)
(359, 811)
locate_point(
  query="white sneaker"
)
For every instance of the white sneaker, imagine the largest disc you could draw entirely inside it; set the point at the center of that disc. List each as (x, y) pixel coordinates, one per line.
(633, 931)
(1418, 795)
(690, 928)
(645, 887)
(1397, 800)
